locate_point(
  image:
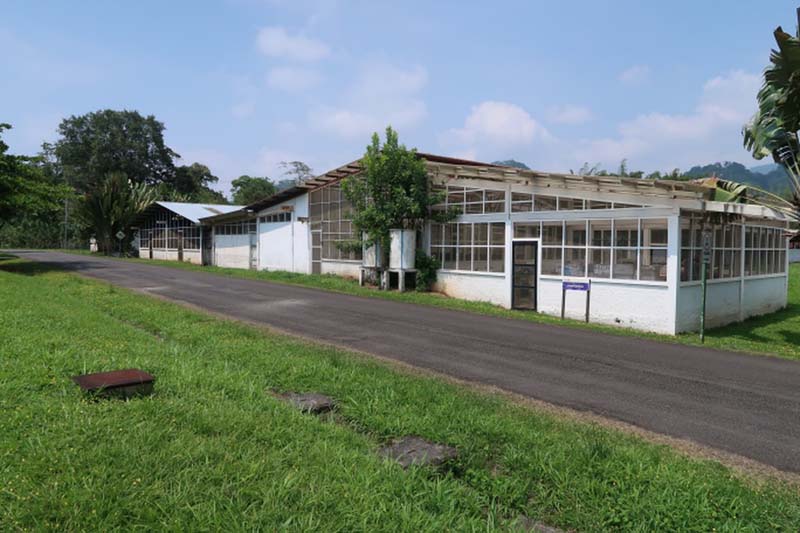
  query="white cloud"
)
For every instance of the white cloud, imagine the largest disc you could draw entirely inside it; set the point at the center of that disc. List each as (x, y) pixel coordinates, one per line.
(569, 114)
(381, 95)
(275, 41)
(635, 74)
(497, 123)
(292, 78)
(711, 132)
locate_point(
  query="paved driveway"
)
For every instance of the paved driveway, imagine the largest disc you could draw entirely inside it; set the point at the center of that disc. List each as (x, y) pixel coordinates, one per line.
(749, 405)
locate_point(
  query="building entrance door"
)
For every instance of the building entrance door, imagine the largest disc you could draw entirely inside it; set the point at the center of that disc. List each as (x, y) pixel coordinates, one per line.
(524, 274)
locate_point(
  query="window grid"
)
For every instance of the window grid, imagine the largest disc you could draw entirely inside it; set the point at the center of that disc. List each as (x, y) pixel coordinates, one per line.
(271, 218)
(468, 246)
(165, 229)
(329, 212)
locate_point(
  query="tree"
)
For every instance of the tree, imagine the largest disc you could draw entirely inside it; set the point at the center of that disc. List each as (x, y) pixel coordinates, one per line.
(773, 129)
(24, 188)
(112, 206)
(390, 192)
(295, 172)
(249, 189)
(512, 163)
(192, 183)
(94, 145)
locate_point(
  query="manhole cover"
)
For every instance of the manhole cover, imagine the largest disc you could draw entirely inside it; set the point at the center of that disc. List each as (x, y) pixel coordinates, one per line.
(417, 451)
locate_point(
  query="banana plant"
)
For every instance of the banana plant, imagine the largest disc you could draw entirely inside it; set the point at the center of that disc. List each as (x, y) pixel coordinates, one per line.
(772, 132)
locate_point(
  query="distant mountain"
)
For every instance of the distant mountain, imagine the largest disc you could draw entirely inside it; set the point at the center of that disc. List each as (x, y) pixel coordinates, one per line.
(765, 168)
(512, 163)
(774, 180)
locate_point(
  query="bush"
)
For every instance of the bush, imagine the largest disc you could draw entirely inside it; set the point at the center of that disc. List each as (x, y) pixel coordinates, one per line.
(426, 271)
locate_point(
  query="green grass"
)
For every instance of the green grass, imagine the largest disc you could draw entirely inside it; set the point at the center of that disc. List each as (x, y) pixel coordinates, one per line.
(775, 334)
(213, 450)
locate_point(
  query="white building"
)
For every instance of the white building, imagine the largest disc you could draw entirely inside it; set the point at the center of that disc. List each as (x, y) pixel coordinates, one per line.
(172, 231)
(522, 233)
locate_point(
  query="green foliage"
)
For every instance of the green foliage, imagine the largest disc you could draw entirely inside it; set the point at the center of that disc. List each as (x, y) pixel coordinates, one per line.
(111, 207)
(191, 183)
(426, 267)
(512, 163)
(249, 189)
(773, 129)
(94, 145)
(295, 172)
(213, 450)
(392, 191)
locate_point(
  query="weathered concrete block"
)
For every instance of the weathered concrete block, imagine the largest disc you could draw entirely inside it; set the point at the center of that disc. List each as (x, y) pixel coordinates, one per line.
(309, 402)
(417, 451)
(534, 526)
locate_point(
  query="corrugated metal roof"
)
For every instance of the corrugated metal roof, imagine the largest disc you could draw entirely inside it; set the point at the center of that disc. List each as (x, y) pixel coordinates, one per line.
(195, 212)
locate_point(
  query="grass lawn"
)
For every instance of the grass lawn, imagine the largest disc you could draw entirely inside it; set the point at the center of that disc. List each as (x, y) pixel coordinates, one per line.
(774, 334)
(213, 450)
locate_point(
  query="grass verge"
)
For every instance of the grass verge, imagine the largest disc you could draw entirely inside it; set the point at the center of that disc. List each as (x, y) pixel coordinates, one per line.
(774, 334)
(213, 450)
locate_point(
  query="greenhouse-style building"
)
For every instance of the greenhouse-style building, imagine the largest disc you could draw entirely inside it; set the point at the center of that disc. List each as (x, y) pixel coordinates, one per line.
(522, 233)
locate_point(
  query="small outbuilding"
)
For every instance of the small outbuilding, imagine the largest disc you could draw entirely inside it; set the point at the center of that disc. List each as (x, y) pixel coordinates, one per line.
(172, 231)
(522, 233)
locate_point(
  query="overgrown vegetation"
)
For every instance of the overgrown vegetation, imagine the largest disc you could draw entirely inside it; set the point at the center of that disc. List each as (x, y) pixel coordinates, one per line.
(213, 450)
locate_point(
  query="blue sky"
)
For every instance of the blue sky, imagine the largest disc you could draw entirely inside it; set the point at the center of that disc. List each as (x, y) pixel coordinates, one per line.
(244, 84)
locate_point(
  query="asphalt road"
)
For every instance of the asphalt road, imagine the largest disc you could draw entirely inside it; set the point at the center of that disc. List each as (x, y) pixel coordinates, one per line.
(748, 405)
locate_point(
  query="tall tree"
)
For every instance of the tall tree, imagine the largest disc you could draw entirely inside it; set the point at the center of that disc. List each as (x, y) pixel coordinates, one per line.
(249, 189)
(94, 145)
(773, 130)
(192, 183)
(294, 172)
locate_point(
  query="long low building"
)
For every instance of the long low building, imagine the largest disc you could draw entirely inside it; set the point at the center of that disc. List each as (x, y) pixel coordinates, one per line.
(522, 233)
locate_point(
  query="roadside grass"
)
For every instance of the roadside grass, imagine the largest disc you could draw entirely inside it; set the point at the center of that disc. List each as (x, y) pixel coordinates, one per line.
(213, 450)
(775, 334)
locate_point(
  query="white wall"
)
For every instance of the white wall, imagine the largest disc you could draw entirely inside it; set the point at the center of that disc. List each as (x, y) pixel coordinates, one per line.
(474, 286)
(729, 301)
(190, 256)
(347, 269)
(232, 251)
(285, 245)
(636, 304)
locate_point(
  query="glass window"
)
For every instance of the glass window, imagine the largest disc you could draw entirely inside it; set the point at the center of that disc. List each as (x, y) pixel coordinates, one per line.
(544, 203)
(653, 265)
(576, 233)
(569, 204)
(575, 262)
(626, 233)
(552, 233)
(624, 263)
(551, 261)
(527, 230)
(599, 262)
(597, 204)
(478, 247)
(521, 202)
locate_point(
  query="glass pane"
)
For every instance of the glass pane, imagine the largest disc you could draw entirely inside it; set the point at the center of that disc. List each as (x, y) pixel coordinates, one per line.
(599, 262)
(552, 232)
(464, 258)
(495, 196)
(544, 203)
(450, 234)
(624, 264)
(600, 231)
(436, 234)
(527, 230)
(449, 255)
(522, 207)
(524, 254)
(480, 259)
(465, 234)
(686, 264)
(480, 233)
(654, 232)
(597, 204)
(521, 197)
(473, 196)
(569, 204)
(576, 233)
(575, 262)
(497, 257)
(498, 236)
(551, 261)
(525, 275)
(523, 298)
(626, 233)
(653, 266)
(494, 207)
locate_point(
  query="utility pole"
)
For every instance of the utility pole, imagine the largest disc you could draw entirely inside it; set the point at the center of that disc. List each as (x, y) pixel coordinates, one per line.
(66, 220)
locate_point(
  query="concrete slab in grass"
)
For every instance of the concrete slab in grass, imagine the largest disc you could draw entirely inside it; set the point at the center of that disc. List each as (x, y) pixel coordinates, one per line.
(534, 526)
(412, 450)
(309, 402)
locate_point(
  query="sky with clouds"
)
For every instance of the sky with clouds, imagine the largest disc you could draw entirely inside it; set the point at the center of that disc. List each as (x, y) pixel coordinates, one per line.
(242, 85)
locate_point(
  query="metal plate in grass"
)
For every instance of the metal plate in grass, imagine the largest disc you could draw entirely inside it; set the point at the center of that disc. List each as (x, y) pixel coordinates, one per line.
(123, 384)
(417, 451)
(309, 402)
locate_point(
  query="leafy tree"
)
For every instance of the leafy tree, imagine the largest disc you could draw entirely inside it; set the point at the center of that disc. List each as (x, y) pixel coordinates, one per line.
(112, 206)
(390, 192)
(94, 145)
(24, 188)
(295, 172)
(249, 189)
(773, 129)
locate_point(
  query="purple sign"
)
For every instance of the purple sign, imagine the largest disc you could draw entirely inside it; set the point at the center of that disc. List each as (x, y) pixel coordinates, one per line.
(575, 285)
